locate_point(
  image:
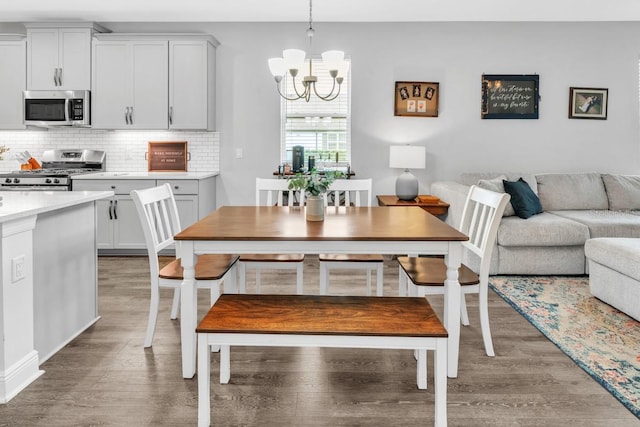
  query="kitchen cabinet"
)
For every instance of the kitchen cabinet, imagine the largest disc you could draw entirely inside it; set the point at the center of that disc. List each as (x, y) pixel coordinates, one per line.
(13, 55)
(119, 229)
(192, 84)
(130, 84)
(153, 81)
(59, 55)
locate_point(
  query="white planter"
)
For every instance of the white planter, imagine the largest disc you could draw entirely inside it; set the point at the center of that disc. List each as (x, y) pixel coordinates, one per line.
(315, 208)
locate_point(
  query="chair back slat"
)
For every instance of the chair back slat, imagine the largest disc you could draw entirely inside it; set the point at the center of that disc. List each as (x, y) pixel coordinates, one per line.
(480, 220)
(159, 218)
(272, 192)
(344, 192)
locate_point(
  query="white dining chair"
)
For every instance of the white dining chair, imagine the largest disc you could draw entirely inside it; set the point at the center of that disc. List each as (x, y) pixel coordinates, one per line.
(422, 276)
(350, 192)
(158, 215)
(273, 192)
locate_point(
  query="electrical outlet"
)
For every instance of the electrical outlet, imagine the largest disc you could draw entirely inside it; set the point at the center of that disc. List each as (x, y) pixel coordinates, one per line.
(17, 268)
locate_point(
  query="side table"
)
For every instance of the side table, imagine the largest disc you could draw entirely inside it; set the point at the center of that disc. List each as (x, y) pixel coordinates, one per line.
(438, 208)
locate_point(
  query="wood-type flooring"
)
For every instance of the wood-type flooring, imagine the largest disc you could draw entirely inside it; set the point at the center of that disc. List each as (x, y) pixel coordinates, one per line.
(106, 378)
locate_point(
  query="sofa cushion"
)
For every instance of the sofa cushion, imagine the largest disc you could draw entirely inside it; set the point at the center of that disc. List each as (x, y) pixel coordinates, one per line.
(544, 229)
(471, 178)
(497, 186)
(605, 223)
(524, 201)
(623, 191)
(572, 191)
(619, 254)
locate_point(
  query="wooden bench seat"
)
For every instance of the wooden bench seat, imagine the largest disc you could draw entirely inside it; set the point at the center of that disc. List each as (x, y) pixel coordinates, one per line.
(322, 321)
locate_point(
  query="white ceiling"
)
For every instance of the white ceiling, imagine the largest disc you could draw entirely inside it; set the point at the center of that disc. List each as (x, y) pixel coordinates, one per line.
(323, 10)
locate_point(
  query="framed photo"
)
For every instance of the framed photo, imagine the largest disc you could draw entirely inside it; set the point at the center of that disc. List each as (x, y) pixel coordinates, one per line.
(588, 103)
(417, 99)
(167, 156)
(510, 96)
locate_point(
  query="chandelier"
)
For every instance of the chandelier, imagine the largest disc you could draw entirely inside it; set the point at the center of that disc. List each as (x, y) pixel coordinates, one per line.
(293, 60)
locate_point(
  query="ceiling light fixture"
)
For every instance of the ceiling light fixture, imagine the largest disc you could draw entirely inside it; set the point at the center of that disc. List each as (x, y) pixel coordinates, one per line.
(293, 60)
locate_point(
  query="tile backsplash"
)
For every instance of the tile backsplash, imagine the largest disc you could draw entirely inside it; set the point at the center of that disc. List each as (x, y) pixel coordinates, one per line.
(125, 149)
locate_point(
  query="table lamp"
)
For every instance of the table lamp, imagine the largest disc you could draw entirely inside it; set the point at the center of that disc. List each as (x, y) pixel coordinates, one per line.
(407, 157)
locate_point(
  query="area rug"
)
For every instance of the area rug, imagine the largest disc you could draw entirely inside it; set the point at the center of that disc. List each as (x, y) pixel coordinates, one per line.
(600, 339)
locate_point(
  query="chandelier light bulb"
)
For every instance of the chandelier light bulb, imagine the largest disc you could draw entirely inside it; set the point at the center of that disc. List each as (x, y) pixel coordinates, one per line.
(276, 66)
(293, 59)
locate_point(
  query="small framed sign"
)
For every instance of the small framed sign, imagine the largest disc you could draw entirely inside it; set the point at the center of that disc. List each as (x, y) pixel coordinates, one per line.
(167, 156)
(417, 99)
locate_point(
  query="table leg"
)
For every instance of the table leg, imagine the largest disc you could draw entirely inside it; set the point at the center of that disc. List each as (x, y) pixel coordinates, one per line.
(204, 381)
(188, 308)
(452, 294)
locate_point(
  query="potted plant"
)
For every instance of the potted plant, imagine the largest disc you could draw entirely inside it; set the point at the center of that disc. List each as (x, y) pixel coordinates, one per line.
(314, 186)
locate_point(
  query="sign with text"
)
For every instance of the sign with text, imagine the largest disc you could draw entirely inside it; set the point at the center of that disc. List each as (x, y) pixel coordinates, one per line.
(510, 96)
(167, 156)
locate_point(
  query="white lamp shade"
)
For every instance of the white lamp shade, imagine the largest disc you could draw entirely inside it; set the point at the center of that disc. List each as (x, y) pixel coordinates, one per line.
(332, 58)
(276, 66)
(293, 59)
(407, 156)
(343, 68)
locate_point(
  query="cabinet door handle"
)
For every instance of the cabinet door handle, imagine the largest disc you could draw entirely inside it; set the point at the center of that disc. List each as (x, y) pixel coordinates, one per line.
(177, 187)
(131, 115)
(170, 115)
(59, 76)
(126, 115)
(110, 209)
(115, 209)
(55, 77)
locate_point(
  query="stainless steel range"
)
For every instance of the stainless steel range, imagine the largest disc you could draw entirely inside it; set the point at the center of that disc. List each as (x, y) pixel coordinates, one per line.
(57, 168)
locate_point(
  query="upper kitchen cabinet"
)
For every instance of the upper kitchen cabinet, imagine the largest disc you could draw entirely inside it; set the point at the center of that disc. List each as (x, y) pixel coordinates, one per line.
(154, 81)
(13, 55)
(59, 55)
(192, 64)
(130, 88)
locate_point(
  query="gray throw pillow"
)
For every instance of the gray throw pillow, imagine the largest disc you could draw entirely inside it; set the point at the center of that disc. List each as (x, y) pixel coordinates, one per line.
(497, 186)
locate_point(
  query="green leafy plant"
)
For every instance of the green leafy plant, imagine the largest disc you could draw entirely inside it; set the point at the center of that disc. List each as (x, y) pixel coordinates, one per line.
(313, 184)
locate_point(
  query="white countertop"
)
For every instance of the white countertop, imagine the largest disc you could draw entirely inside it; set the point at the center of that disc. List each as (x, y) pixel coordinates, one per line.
(20, 204)
(146, 175)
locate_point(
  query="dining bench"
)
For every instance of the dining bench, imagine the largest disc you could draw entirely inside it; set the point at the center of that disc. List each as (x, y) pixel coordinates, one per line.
(322, 321)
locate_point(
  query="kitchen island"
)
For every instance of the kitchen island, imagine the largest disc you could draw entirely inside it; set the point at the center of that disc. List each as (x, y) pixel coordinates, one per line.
(49, 278)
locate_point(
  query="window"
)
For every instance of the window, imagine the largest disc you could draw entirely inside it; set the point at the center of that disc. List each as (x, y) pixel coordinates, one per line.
(323, 128)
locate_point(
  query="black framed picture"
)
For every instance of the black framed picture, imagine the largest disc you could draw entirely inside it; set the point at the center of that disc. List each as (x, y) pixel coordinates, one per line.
(510, 96)
(588, 103)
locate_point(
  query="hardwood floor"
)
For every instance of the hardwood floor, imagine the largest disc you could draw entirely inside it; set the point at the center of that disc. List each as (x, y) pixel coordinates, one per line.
(105, 376)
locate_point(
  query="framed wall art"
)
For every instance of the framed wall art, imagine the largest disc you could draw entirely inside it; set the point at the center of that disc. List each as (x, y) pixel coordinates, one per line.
(510, 96)
(416, 99)
(588, 103)
(167, 156)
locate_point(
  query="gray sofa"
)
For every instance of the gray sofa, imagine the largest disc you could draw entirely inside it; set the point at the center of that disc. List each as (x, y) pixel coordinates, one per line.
(576, 207)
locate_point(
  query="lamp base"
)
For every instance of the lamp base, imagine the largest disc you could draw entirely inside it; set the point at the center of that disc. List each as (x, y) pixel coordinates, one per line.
(407, 186)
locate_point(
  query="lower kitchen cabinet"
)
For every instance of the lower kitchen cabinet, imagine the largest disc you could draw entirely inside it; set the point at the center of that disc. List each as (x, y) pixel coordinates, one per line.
(119, 230)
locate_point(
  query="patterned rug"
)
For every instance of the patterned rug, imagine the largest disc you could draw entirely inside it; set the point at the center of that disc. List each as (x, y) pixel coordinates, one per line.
(600, 339)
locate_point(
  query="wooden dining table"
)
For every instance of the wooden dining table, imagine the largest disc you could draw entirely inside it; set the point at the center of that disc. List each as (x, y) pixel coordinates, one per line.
(349, 230)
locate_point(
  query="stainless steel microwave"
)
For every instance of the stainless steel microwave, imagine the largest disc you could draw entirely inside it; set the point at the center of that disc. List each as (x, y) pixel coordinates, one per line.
(49, 108)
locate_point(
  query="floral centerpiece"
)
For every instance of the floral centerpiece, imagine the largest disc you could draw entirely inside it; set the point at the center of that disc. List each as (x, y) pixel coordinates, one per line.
(314, 186)
(3, 149)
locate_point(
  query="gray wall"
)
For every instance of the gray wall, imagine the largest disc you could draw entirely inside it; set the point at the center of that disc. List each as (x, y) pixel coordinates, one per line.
(601, 55)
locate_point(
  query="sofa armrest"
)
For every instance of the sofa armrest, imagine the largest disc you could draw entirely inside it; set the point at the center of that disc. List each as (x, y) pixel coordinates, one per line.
(456, 195)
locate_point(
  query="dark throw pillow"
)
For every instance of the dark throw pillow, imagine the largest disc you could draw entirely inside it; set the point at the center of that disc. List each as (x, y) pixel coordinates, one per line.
(524, 201)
